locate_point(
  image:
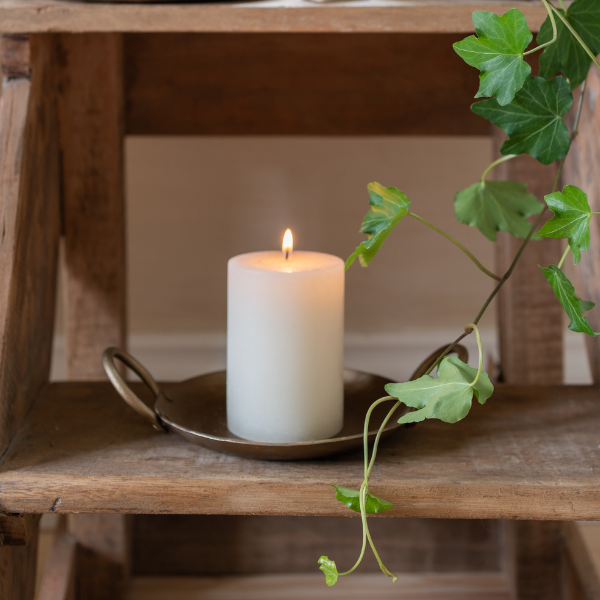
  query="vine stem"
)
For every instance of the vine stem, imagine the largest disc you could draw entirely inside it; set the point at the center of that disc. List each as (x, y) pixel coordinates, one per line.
(554, 30)
(525, 242)
(457, 244)
(364, 542)
(495, 164)
(474, 327)
(364, 488)
(366, 432)
(378, 437)
(562, 260)
(575, 34)
(468, 329)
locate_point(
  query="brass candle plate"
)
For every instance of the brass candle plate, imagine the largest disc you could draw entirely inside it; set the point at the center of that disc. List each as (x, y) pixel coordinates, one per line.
(196, 410)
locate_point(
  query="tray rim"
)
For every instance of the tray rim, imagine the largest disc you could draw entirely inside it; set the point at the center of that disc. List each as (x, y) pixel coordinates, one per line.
(392, 426)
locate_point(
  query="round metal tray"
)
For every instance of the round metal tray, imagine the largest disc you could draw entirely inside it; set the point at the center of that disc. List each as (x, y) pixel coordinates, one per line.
(196, 410)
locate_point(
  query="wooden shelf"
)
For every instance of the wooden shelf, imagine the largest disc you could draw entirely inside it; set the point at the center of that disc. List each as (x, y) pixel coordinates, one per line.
(530, 453)
(392, 16)
(491, 586)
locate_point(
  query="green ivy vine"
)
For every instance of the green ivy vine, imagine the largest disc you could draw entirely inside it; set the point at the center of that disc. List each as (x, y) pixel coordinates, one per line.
(530, 110)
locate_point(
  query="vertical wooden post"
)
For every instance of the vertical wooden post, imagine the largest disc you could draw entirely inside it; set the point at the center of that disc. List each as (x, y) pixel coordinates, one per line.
(581, 169)
(91, 112)
(533, 559)
(30, 217)
(529, 315)
(531, 332)
(91, 116)
(18, 564)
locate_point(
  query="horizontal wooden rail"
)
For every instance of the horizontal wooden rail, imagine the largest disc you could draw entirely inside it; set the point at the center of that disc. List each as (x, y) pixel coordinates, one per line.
(529, 453)
(369, 16)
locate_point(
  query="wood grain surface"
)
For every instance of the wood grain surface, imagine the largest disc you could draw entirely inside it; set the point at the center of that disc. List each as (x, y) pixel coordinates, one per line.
(490, 586)
(586, 575)
(91, 119)
(248, 545)
(402, 16)
(58, 579)
(301, 84)
(16, 56)
(530, 318)
(581, 169)
(530, 453)
(30, 215)
(103, 555)
(18, 563)
(15, 530)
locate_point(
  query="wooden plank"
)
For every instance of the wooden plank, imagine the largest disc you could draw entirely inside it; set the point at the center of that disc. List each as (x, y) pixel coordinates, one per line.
(14, 530)
(530, 318)
(91, 111)
(533, 559)
(530, 323)
(29, 209)
(581, 170)
(417, 16)
(103, 555)
(307, 84)
(580, 562)
(98, 456)
(16, 56)
(490, 586)
(58, 580)
(204, 545)
(18, 563)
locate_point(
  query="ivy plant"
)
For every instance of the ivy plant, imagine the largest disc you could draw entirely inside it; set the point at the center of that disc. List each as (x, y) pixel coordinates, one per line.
(531, 110)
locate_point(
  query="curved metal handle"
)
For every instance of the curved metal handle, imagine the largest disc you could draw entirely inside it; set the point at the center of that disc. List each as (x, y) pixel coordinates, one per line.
(461, 351)
(108, 362)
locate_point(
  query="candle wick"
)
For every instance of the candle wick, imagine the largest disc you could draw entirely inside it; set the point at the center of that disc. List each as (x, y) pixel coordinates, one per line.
(287, 254)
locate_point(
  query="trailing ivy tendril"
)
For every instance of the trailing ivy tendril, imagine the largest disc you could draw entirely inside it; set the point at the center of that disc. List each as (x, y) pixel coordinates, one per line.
(531, 111)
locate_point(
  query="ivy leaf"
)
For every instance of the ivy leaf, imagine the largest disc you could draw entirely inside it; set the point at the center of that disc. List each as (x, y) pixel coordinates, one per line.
(572, 216)
(566, 55)
(388, 207)
(574, 306)
(329, 568)
(497, 206)
(447, 397)
(533, 120)
(351, 498)
(497, 52)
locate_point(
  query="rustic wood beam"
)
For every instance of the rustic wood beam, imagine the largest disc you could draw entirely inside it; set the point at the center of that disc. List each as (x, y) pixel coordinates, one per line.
(307, 84)
(91, 117)
(18, 564)
(30, 215)
(531, 352)
(529, 315)
(581, 169)
(58, 579)
(583, 581)
(14, 529)
(29, 209)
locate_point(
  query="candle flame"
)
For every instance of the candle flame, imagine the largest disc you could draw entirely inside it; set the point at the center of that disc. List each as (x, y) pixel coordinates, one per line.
(288, 244)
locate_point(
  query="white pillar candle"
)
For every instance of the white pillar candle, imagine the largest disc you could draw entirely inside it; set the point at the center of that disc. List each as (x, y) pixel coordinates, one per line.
(285, 328)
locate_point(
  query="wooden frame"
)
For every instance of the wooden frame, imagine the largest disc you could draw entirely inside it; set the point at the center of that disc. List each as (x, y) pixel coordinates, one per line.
(44, 109)
(29, 205)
